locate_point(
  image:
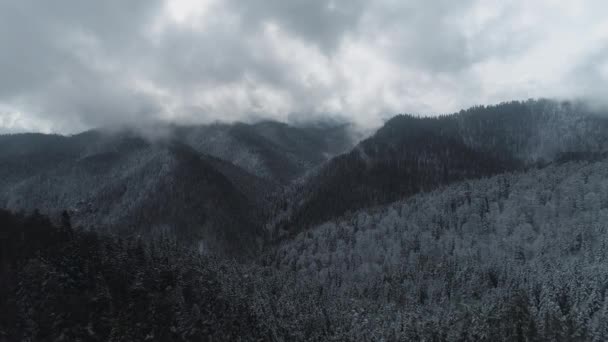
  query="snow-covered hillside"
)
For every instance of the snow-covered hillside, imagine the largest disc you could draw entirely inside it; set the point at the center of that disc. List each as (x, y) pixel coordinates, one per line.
(519, 254)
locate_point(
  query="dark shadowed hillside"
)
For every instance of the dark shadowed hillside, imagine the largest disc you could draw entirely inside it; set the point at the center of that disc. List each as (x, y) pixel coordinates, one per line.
(57, 283)
(23, 155)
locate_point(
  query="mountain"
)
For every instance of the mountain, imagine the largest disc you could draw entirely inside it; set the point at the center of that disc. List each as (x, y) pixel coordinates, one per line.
(211, 186)
(24, 155)
(412, 154)
(517, 256)
(128, 185)
(483, 225)
(230, 181)
(514, 257)
(271, 150)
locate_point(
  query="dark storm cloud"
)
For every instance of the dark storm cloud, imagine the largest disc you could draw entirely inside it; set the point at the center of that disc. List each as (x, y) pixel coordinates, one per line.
(68, 65)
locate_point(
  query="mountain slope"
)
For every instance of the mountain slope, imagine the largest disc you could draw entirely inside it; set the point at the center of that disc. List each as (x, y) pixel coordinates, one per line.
(23, 155)
(495, 259)
(128, 185)
(271, 150)
(210, 185)
(414, 154)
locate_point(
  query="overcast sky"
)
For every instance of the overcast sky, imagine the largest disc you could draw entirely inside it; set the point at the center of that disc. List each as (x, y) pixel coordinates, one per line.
(70, 65)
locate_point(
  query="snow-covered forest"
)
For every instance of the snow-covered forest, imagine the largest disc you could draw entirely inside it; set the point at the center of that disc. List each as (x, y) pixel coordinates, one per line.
(303, 171)
(485, 225)
(514, 257)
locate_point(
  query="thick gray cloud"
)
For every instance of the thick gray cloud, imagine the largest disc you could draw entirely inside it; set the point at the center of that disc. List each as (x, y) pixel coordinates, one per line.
(319, 22)
(69, 65)
(57, 62)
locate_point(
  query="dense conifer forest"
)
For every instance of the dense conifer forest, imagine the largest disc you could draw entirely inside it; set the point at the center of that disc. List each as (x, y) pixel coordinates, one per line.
(484, 225)
(61, 283)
